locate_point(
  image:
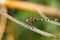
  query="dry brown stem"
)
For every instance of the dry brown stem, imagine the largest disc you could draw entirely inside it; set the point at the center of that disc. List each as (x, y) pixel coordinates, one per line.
(31, 7)
(2, 22)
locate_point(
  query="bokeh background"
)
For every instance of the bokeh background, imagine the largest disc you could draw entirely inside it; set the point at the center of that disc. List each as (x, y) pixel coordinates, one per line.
(21, 33)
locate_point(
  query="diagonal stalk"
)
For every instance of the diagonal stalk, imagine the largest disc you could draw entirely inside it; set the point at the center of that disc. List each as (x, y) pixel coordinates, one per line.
(45, 17)
(28, 26)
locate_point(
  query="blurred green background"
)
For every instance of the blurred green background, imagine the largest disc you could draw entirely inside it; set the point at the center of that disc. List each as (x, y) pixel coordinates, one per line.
(21, 33)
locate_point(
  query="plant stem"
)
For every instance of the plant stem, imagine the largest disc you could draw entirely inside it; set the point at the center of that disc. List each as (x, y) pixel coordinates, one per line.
(2, 21)
(45, 17)
(28, 26)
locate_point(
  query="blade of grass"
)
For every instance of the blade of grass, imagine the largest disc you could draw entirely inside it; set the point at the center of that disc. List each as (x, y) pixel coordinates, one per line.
(45, 17)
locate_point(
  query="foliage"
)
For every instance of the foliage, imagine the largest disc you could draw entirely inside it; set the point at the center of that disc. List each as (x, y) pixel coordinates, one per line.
(22, 33)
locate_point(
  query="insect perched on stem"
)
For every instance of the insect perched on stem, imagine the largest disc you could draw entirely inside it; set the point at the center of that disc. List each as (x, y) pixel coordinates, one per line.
(32, 19)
